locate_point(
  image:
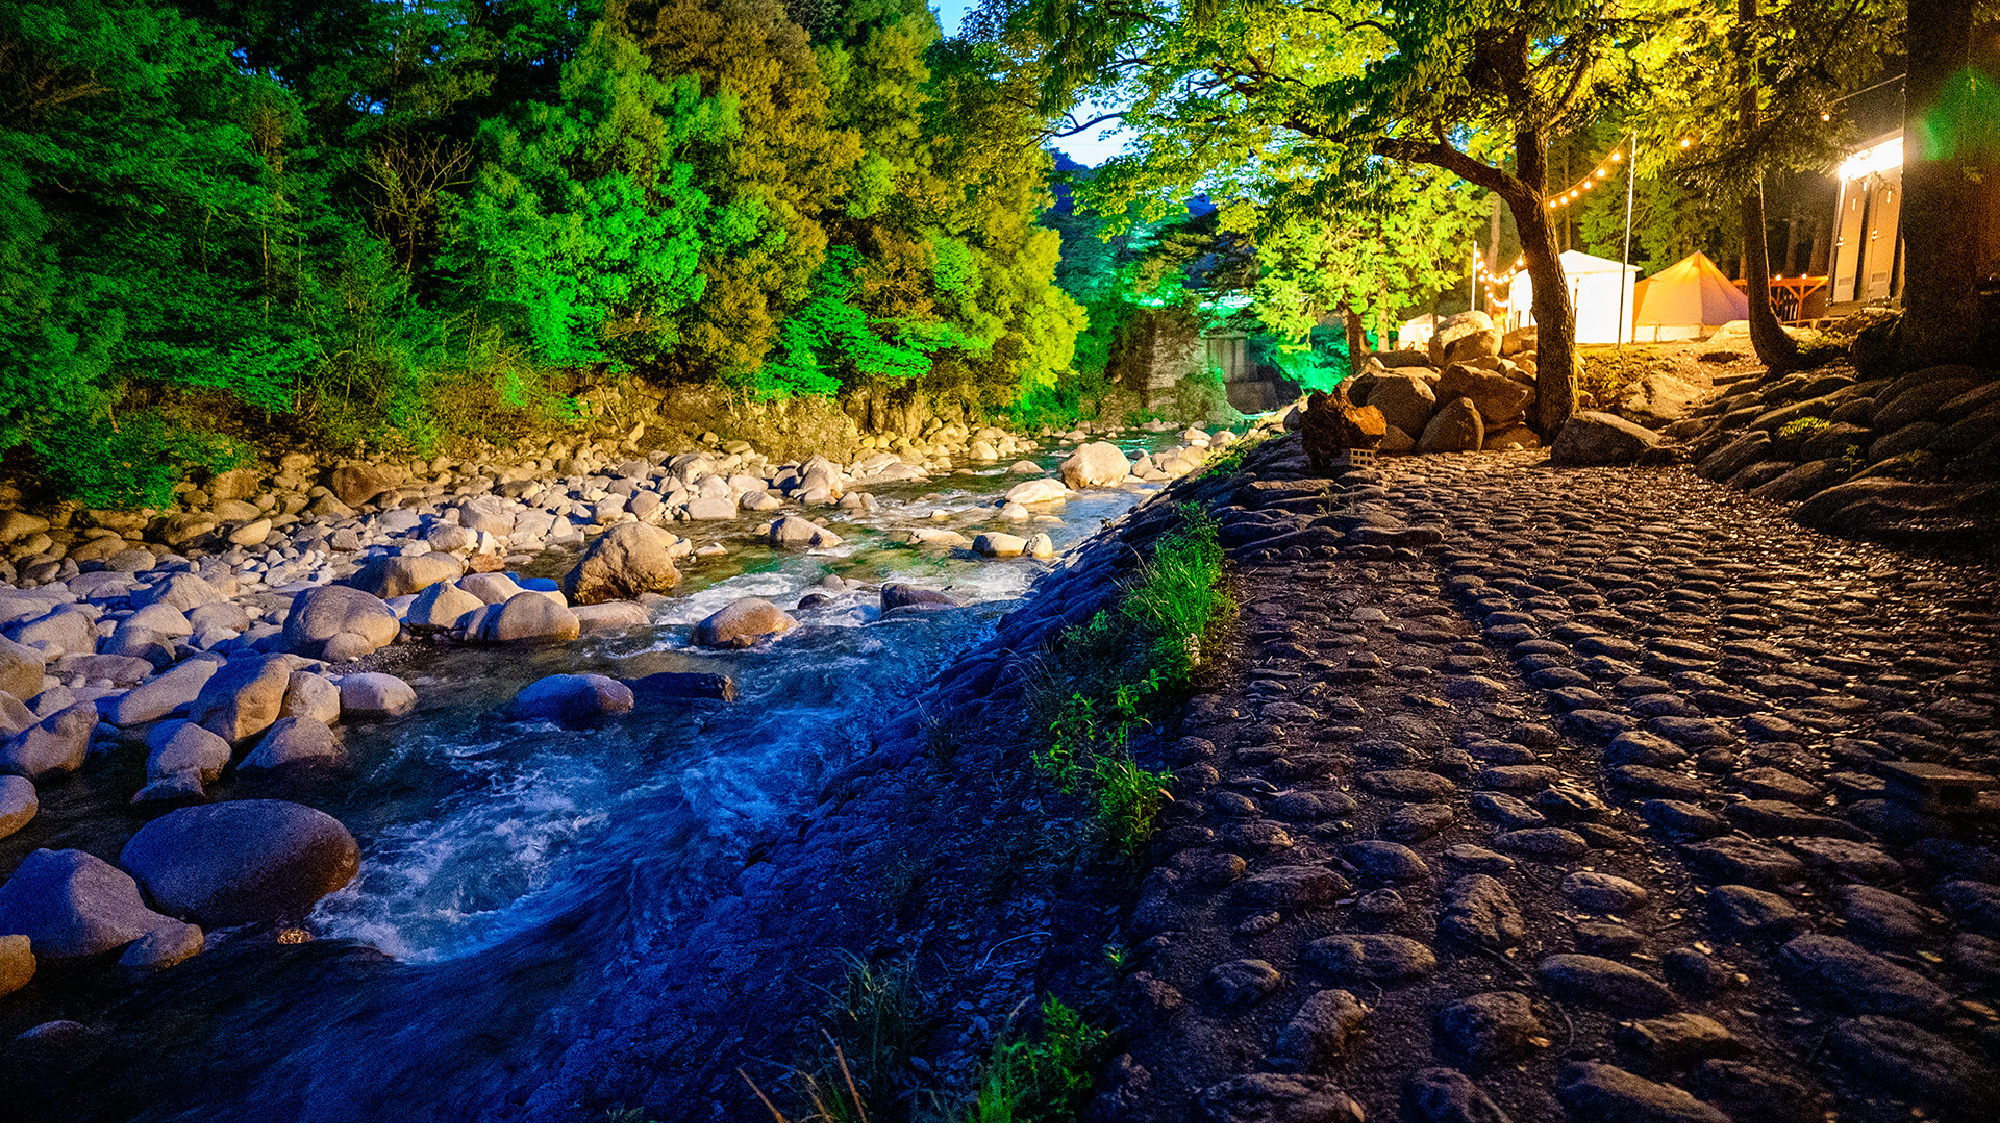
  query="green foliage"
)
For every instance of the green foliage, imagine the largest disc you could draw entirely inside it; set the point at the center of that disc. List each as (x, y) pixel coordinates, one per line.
(134, 462)
(829, 341)
(1072, 398)
(1045, 1077)
(1802, 428)
(1200, 396)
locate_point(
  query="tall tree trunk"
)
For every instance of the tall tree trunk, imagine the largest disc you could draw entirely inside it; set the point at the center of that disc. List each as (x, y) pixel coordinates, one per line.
(1774, 348)
(1556, 365)
(1941, 311)
(1357, 338)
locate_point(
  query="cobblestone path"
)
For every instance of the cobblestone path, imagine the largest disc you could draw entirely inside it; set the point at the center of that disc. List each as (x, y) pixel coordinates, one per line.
(1539, 794)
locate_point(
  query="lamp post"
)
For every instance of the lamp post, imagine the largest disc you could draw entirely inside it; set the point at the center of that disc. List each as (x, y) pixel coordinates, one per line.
(1625, 256)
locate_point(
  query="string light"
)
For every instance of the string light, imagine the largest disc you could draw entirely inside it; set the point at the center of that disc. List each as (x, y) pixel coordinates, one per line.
(1575, 191)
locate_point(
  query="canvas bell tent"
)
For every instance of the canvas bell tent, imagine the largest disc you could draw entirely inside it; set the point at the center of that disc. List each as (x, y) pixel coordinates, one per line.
(1687, 300)
(1598, 289)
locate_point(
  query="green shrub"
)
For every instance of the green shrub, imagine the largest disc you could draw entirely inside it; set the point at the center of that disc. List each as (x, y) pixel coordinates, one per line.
(1046, 1077)
(1200, 397)
(132, 462)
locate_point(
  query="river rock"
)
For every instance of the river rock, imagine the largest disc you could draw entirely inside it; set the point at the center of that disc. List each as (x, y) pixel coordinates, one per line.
(183, 591)
(324, 612)
(310, 695)
(800, 533)
(57, 743)
(611, 617)
(162, 948)
(572, 700)
(629, 560)
(15, 716)
(17, 962)
(63, 631)
(1037, 492)
(743, 623)
(1098, 464)
(21, 670)
(241, 861)
(184, 746)
(357, 484)
(1594, 1091)
(244, 699)
(159, 696)
(396, 575)
(70, 903)
(999, 545)
(18, 805)
(490, 589)
(529, 617)
(440, 607)
(1455, 428)
(375, 695)
(899, 595)
(1594, 438)
(294, 739)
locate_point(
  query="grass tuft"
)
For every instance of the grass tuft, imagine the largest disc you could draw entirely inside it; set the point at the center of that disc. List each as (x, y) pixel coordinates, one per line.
(1044, 1077)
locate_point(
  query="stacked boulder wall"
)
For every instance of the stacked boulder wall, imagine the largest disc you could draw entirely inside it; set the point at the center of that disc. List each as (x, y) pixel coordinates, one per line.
(1405, 401)
(241, 861)
(325, 612)
(1500, 400)
(629, 560)
(1464, 336)
(1455, 428)
(1594, 438)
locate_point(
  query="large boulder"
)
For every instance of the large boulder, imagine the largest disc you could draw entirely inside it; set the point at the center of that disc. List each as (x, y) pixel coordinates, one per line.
(743, 623)
(159, 696)
(358, 484)
(176, 747)
(572, 700)
(611, 617)
(629, 560)
(395, 575)
(440, 607)
(1658, 399)
(15, 717)
(310, 695)
(64, 631)
(1455, 428)
(1098, 464)
(1406, 401)
(55, 744)
(242, 700)
(320, 614)
(21, 669)
(490, 589)
(529, 617)
(375, 695)
(183, 591)
(1463, 336)
(1594, 438)
(800, 533)
(70, 903)
(241, 861)
(1498, 399)
(294, 739)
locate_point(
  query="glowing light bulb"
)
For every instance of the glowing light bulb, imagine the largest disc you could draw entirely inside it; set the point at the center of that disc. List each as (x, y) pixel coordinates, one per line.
(1687, 142)
(1826, 117)
(1552, 204)
(1617, 156)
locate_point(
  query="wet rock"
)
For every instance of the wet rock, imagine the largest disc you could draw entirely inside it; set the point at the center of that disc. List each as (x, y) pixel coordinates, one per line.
(1439, 1093)
(898, 595)
(629, 560)
(1489, 1028)
(162, 948)
(1383, 958)
(17, 962)
(375, 695)
(798, 533)
(1599, 983)
(743, 622)
(241, 861)
(1098, 464)
(1597, 890)
(1278, 1097)
(1594, 438)
(1384, 859)
(1852, 979)
(1594, 1091)
(1317, 1036)
(572, 700)
(440, 608)
(69, 903)
(320, 614)
(1236, 985)
(1914, 1065)
(1478, 910)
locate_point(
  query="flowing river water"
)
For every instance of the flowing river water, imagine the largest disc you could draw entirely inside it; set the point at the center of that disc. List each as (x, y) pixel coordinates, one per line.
(509, 869)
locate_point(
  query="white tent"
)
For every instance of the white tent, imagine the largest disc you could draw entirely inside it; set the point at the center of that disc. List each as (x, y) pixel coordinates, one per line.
(1416, 333)
(1596, 286)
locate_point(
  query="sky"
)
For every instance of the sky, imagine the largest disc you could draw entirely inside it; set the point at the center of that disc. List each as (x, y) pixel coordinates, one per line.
(1092, 148)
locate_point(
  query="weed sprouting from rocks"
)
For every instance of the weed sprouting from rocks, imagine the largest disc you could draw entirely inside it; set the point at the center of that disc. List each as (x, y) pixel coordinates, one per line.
(874, 1023)
(1043, 1077)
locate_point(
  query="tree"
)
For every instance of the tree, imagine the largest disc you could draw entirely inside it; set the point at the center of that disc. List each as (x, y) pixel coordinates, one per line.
(1321, 91)
(1951, 160)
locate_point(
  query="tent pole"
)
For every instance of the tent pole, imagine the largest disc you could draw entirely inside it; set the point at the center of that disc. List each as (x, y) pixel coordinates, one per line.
(1625, 256)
